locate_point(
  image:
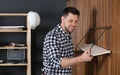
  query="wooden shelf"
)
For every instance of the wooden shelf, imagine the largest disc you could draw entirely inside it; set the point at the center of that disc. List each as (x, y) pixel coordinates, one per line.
(13, 14)
(4, 30)
(27, 48)
(11, 64)
(10, 47)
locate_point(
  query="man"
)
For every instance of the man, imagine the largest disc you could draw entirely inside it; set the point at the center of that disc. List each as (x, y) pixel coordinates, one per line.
(58, 48)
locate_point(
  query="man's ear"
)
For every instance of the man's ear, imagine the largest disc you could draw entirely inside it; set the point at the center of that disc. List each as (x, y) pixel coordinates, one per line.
(62, 18)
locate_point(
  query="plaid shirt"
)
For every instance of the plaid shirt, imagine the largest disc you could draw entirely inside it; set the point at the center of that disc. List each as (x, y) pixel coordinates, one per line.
(57, 45)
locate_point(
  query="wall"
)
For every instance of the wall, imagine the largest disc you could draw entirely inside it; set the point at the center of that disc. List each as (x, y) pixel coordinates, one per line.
(99, 13)
(50, 12)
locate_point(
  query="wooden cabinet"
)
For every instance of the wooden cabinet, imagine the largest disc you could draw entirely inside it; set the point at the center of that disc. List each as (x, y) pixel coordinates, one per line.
(12, 33)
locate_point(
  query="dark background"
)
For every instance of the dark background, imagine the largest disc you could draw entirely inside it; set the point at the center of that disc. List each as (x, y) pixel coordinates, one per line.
(50, 12)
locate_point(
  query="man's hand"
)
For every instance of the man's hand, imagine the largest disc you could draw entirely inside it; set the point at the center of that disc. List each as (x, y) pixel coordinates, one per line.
(86, 56)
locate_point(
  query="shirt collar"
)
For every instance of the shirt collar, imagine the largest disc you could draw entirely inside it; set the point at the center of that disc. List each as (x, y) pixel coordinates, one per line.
(62, 31)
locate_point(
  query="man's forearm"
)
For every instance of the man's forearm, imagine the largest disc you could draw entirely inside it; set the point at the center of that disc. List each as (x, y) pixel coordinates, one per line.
(66, 62)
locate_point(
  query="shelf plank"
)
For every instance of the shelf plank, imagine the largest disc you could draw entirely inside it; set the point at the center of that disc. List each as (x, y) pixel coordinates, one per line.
(10, 64)
(11, 47)
(13, 14)
(4, 30)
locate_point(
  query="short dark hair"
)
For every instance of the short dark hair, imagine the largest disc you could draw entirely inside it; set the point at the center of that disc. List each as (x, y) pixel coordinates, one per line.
(72, 10)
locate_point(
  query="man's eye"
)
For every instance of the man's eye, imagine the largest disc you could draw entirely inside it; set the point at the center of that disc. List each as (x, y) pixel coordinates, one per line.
(76, 21)
(70, 21)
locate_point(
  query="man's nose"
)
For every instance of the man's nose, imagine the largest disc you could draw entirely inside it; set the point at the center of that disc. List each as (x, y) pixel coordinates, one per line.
(74, 24)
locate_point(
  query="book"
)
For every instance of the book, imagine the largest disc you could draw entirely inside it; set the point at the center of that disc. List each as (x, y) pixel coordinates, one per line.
(95, 50)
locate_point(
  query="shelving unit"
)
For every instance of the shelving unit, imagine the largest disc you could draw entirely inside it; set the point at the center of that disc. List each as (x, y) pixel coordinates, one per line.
(27, 47)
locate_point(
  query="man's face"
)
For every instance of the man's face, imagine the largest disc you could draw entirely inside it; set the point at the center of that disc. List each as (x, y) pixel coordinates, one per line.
(70, 22)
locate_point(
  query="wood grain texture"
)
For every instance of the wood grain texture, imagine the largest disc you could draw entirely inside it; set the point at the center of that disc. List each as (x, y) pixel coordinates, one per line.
(99, 13)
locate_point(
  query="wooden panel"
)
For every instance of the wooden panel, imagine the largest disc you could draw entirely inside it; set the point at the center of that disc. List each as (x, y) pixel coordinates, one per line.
(85, 11)
(85, 14)
(103, 8)
(96, 13)
(116, 38)
(71, 3)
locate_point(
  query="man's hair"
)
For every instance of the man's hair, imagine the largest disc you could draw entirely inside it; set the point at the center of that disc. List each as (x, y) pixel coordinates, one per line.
(72, 10)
